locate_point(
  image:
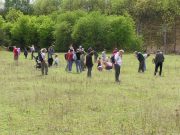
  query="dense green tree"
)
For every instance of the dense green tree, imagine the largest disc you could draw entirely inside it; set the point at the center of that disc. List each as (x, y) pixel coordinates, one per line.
(22, 5)
(64, 28)
(44, 7)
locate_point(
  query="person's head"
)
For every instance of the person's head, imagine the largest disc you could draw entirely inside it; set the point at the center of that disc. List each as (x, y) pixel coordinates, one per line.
(148, 54)
(43, 50)
(56, 56)
(121, 52)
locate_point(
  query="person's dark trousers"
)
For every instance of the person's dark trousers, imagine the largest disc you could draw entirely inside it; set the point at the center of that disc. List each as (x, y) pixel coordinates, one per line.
(32, 55)
(158, 65)
(78, 66)
(141, 66)
(117, 72)
(89, 71)
(50, 62)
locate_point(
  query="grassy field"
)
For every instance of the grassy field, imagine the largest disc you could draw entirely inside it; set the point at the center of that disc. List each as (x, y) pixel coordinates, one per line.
(71, 104)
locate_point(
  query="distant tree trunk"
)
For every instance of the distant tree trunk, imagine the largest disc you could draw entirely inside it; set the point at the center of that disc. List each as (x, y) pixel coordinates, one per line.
(175, 36)
(139, 27)
(165, 37)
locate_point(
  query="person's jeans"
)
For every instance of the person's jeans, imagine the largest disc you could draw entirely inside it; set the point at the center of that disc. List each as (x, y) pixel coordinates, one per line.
(78, 66)
(117, 72)
(44, 67)
(89, 71)
(70, 65)
(159, 64)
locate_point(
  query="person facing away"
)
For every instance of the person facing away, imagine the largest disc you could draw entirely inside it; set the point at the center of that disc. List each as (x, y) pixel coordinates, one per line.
(16, 54)
(44, 65)
(159, 59)
(95, 56)
(32, 48)
(78, 61)
(118, 64)
(56, 60)
(89, 63)
(25, 52)
(70, 60)
(50, 55)
(141, 59)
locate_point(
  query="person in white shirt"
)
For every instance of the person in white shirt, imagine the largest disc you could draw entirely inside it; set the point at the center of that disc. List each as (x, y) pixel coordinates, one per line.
(145, 57)
(32, 49)
(104, 55)
(118, 64)
(44, 65)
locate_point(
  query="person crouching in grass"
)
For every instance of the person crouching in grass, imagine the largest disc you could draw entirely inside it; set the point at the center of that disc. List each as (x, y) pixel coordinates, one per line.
(118, 64)
(44, 65)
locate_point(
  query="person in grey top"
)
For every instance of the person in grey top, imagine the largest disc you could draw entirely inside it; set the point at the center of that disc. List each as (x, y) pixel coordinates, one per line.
(159, 59)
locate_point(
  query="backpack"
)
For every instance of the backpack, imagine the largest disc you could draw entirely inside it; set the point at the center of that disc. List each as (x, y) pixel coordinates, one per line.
(40, 57)
(65, 56)
(113, 59)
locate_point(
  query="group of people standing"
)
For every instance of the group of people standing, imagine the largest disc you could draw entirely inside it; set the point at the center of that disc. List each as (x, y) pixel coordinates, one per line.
(83, 60)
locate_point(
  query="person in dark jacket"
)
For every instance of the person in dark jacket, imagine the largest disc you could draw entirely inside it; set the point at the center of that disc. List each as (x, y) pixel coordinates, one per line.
(159, 59)
(78, 61)
(141, 60)
(25, 52)
(89, 63)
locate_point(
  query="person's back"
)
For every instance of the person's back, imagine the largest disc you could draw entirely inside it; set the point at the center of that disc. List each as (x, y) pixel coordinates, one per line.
(78, 54)
(159, 57)
(140, 57)
(89, 62)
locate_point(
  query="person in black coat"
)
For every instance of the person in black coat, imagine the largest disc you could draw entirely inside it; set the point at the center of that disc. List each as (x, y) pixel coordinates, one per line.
(159, 59)
(89, 63)
(141, 60)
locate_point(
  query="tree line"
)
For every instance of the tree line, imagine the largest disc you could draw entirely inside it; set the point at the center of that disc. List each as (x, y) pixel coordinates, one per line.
(97, 23)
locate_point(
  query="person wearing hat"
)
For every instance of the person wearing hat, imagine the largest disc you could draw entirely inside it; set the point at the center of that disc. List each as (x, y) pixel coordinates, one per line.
(159, 59)
(118, 64)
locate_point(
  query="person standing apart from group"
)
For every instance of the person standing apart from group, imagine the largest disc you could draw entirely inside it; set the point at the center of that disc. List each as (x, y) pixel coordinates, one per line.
(141, 59)
(118, 64)
(16, 55)
(89, 63)
(159, 59)
(44, 65)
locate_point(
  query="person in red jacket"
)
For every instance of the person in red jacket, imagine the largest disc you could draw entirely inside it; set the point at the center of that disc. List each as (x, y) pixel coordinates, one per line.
(16, 55)
(70, 60)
